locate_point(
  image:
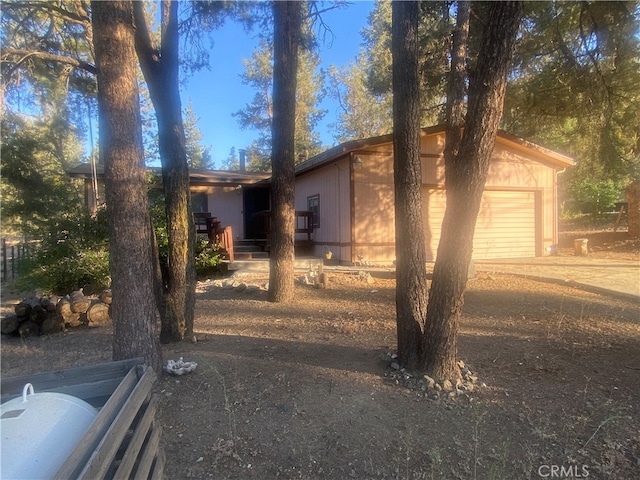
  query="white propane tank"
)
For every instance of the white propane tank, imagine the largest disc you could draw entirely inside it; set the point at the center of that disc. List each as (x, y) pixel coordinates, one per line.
(39, 431)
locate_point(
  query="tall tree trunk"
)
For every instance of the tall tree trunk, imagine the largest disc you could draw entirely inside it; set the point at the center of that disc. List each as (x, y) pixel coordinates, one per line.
(456, 88)
(287, 17)
(134, 309)
(466, 174)
(411, 274)
(632, 195)
(161, 72)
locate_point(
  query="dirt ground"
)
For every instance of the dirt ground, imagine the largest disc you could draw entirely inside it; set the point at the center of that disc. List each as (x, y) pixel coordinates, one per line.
(307, 390)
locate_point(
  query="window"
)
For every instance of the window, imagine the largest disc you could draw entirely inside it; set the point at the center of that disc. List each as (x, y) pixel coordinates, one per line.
(313, 205)
(199, 203)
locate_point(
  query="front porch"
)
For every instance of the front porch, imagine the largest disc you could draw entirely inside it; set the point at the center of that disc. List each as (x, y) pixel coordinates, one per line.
(257, 247)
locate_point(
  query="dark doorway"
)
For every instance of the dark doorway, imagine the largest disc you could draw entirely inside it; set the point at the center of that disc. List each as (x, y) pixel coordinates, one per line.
(256, 200)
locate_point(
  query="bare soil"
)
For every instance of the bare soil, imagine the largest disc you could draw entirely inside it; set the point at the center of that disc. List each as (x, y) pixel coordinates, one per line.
(306, 390)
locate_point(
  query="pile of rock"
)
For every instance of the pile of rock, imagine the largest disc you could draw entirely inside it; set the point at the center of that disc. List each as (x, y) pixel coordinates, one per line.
(237, 284)
(44, 315)
(427, 386)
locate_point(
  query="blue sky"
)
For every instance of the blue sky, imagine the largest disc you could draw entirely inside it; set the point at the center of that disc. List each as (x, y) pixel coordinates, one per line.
(218, 92)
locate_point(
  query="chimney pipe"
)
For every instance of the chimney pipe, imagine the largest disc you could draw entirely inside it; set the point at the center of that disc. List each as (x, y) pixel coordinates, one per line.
(243, 159)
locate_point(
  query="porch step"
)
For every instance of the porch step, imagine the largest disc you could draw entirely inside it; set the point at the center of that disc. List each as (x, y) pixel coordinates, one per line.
(250, 255)
(246, 248)
(301, 264)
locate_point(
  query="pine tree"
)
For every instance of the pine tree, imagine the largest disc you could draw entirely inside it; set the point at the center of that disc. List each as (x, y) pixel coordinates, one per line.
(134, 310)
(258, 115)
(197, 156)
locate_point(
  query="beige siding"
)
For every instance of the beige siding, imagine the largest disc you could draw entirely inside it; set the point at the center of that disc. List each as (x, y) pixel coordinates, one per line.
(431, 147)
(517, 216)
(506, 225)
(374, 217)
(332, 185)
(226, 204)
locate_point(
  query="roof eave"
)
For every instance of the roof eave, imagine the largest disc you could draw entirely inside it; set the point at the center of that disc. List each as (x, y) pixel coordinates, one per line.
(211, 178)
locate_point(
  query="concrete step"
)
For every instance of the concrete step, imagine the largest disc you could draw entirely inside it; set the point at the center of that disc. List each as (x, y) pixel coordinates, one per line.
(246, 248)
(262, 264)
(250, 255)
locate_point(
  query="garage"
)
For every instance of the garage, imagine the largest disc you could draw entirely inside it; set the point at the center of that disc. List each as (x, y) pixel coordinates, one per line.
(506, 226)
(518, 216)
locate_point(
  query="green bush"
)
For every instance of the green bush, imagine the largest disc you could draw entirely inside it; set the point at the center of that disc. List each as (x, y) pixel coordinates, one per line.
(72, 253)
(208, 258)
(88, 270)
(594, 196)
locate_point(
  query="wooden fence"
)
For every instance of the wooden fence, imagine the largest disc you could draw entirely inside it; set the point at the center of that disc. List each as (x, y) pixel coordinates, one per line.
(12, 253)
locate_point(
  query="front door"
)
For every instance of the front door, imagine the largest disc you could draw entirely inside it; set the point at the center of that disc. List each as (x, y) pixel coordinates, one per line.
(256, 200)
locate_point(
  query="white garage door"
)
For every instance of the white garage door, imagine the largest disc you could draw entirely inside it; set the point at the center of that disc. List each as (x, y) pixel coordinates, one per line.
(506, 226)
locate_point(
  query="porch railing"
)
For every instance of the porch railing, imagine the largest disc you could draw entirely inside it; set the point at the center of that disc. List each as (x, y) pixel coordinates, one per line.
(217, 234)
(303, 222)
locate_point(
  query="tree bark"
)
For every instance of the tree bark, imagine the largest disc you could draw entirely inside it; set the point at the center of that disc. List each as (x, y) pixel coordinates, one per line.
(411, 275)
(133, 310)
(465, 176)
(456, 89)
(161, 72)
(632, 195)
(287, 31)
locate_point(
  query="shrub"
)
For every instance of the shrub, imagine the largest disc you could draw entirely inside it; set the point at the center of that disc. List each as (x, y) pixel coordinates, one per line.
(595, 196)
(72, 253)
(86, 269)
(208, 258)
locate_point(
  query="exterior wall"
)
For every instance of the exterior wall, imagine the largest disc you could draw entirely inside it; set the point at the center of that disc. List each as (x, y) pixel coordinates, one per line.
(332, 185)
(226, 204)
(431, 148)
(518, 210)
(505, 228)
(524, 170)
(373, 207)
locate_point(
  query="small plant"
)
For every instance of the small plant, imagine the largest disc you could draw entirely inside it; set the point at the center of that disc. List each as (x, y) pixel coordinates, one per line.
(208, 258)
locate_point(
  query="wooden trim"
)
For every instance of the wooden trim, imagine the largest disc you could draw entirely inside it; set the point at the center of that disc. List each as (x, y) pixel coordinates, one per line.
(512, 189)
(53, 381)
(332, 244)
(158, 467)
(373, 244)
(539, 222)
(137, 439)
(555, 233)
(149, 454)
(352, 207)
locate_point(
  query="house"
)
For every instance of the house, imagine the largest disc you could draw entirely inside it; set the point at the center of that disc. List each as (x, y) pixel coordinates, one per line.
(232, 196)
(349, 192)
